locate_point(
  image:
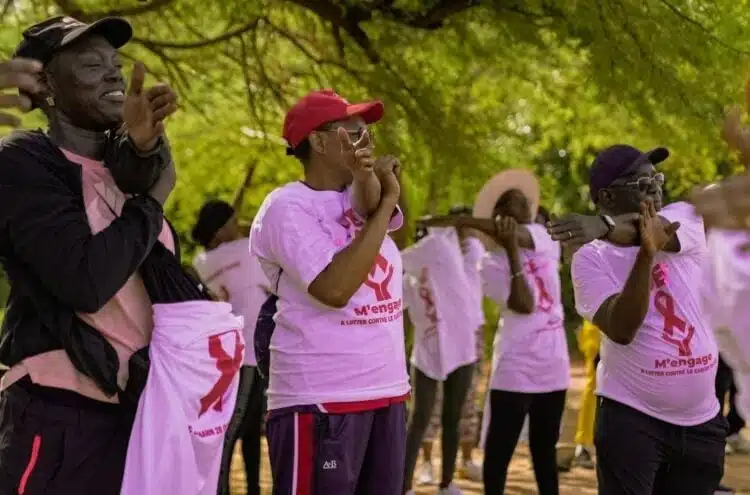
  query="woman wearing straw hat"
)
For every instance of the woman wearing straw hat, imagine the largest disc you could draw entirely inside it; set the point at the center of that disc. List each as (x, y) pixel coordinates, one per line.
(530, 366)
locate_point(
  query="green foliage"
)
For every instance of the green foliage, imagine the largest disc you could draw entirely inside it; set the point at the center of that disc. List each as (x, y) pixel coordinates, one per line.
(469, 90)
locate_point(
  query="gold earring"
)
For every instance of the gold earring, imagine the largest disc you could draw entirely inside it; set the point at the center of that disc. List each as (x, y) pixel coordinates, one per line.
(50, 101)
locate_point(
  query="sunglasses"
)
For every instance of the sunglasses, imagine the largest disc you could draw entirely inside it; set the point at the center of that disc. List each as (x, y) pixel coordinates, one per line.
(644, 184)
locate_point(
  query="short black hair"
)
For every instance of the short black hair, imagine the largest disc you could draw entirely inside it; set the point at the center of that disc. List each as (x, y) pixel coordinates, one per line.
(213, 215)
(302, 152)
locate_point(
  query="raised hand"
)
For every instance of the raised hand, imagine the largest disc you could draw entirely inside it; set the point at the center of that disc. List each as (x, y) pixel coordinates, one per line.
(439, 221)
(388, 171)
(359, 157)
(654, 234)
(577, 230)
(145, 110)
(507, 231)
(21, 74)
(725, 205)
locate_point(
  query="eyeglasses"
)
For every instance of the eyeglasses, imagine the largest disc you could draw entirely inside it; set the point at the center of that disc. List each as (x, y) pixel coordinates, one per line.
(645, 183)
(354, 134)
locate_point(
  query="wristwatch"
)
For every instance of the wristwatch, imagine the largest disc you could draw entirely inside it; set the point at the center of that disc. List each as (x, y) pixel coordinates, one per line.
(609, 222)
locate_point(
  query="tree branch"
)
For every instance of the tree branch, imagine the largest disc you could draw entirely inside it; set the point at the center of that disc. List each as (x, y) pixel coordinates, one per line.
(71, 8)
(189, 45)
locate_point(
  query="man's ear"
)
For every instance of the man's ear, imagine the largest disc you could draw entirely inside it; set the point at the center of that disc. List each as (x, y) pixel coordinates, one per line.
(605, 198)
(317, 143)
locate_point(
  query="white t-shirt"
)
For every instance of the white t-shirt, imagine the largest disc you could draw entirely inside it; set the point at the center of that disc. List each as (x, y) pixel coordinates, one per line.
(232, 268)
(668, 371)
(320, 354)
(726, 300)
(531, 353)
(442, 304)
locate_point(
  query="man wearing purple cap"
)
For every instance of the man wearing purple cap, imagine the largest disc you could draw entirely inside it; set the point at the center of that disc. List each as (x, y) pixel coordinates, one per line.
(337, 379)
(636, 277)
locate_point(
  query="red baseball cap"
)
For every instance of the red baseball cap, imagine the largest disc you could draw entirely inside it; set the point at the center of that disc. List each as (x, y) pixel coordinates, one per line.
(323, 106)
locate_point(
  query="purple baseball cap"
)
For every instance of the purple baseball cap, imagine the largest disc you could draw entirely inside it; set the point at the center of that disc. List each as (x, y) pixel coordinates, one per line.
(617, 161)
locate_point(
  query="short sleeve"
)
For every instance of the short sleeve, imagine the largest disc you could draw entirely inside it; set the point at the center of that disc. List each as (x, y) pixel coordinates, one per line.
(416, 256)
(593, 282)
(410, 291)
(474, 252)
(397, 218)
(287, 233)
(495, 272)
(543, 243)
(691, 233)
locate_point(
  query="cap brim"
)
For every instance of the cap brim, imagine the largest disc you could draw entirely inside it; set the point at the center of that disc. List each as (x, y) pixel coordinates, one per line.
(371, 111)
(115, 30)
(654, 157)
(518, 178)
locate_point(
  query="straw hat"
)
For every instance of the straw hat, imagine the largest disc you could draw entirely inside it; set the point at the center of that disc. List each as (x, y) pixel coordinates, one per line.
(516, 178)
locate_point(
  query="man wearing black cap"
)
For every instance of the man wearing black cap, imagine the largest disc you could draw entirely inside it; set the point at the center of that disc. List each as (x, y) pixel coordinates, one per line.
(659, 427)
(72, 244)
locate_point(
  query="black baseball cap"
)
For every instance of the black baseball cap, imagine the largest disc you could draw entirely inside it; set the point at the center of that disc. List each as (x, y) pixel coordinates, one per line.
(41, 41)
(617, 161)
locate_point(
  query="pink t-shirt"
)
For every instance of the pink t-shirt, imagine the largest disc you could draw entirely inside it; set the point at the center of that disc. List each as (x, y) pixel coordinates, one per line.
(473, 253)
(726, 297)
(232, 268)
(531, 352)
(668, 371)
(126, 319)
(442, 304)
(321, 354)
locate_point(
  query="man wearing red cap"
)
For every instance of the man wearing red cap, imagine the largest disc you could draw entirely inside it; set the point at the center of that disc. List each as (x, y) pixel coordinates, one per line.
(337, 379)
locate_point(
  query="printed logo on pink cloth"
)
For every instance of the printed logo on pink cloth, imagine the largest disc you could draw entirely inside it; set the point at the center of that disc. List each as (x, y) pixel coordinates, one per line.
(430, 339)
(228, 366)
(676, 331)
(380, 288)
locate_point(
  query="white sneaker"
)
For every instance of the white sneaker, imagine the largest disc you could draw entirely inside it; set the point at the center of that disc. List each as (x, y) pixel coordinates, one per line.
(426, 475)
(471, 471)
(450, 490)
(739, 444)
(583, 458)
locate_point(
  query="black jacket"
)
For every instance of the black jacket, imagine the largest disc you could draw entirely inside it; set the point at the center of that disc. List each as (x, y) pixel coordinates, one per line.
(57, 267)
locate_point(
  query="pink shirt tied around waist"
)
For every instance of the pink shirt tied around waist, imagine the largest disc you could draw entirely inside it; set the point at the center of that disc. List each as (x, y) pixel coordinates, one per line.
(125, 320)
(669, 369)
(530, 352)
(321, 354)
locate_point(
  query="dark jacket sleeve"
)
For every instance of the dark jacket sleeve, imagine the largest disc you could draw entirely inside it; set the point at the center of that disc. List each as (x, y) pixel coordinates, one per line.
(43, 221)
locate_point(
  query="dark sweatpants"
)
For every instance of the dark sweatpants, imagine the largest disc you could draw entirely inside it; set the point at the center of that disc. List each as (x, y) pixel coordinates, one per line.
(58, 442)
(314, 453)
(637, 454)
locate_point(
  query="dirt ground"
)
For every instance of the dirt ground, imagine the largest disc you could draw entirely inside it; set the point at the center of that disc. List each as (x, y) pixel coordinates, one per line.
(521, 478)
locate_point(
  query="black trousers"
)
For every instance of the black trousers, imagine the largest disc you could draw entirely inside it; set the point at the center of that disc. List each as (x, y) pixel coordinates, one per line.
(725, 385)
(640, 455)
(508, 411)
(245, 425)
(55, 441)
(455, 388)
